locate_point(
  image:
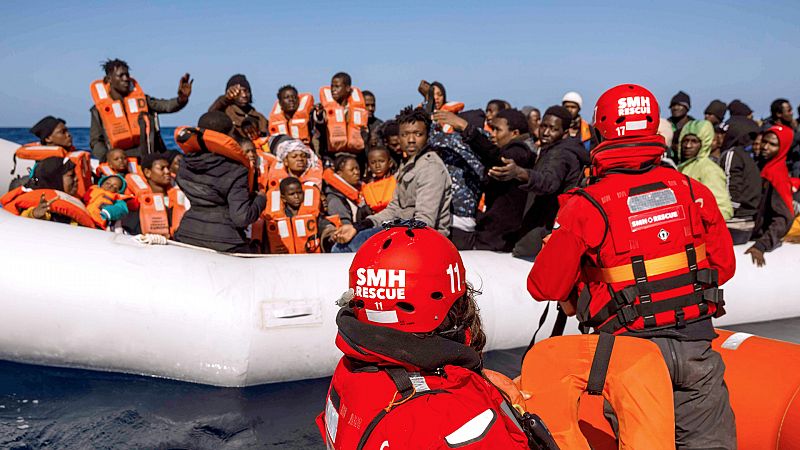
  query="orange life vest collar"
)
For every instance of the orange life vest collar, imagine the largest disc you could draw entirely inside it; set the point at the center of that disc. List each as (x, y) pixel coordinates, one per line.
(297, 125)
(193, 140)
(338, 183)
(23, 198)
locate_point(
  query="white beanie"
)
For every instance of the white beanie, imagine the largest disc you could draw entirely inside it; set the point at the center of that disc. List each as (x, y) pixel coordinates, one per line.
(573, 97)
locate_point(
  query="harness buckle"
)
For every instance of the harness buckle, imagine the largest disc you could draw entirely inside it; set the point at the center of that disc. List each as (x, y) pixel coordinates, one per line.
(713, 295)
(627, 314)
(680, 318)
(708, 276)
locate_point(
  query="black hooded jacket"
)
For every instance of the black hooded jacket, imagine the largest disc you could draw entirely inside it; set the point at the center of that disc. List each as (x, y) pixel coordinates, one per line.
(744, 178)
(558, 169)
(498, 228)
(221, 204)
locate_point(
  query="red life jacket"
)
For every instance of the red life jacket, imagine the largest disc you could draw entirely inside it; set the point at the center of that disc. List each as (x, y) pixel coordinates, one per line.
(82, 160)
(344, 127)
(378, 403)
(158, 214)
(297, 234)
(121, 118)
(379, 193)
(650, 270)
(297, 126)
(66, 205)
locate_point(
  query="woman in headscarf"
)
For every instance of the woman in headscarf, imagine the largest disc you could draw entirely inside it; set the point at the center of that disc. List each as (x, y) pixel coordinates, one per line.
(775, 211)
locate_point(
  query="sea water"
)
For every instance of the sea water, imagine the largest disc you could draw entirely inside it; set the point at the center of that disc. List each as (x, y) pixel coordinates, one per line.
(80, 136)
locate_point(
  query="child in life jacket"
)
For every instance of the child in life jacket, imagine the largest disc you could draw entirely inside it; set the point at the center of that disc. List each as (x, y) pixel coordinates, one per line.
(410, 377)
(299, 226)
(343, 194)
(105, 203)
(380, 181)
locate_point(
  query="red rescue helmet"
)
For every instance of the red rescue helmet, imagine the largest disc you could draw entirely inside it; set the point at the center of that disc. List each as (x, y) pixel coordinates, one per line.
(406, 277)
(627, 110)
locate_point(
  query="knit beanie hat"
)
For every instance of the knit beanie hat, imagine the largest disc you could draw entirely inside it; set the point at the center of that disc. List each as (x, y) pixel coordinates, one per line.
(681, 98)
(717, 109)
(45, 127)
(739, 108)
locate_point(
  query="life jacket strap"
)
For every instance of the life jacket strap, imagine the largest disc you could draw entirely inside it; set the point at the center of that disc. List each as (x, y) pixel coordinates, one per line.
(600, 362)
(653, 267)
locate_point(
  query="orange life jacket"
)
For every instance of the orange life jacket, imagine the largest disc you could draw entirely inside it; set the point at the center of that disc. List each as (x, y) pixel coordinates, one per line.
(121, 118)
(330, 177)
(104, 170)
(82, 160)
(344, 127)
(586, 132)
(265, 163)
(156, 210)
(98, 197)
(379, 193)
(277, 172)
(23, 198)
(193, 140)
(296, 234)
(453, 107)
(556, 372)
(297, 126)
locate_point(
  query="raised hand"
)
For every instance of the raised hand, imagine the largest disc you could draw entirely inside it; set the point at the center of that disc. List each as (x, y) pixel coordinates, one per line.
(185, 87)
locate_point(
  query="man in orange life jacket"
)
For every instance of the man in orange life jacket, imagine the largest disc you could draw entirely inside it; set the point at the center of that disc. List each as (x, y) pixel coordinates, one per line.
(341, 91)
(291, 114)
(53, 131)
(119, 86)
(646, 247)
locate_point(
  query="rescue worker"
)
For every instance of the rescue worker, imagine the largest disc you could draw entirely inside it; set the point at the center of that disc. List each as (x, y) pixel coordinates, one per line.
(646, 247)
(578, 128)
(291, 114)
(237, 104)
(341, 117)
(123, 116)
(411, 335)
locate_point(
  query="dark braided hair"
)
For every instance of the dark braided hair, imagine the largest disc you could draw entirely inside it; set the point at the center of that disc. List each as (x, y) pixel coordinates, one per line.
(110, 65)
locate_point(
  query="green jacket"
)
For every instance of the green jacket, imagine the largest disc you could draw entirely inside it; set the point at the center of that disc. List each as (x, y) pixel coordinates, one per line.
(703, 169)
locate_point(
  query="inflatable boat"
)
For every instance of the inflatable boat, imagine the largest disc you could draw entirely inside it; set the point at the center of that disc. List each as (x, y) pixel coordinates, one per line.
(83, 298)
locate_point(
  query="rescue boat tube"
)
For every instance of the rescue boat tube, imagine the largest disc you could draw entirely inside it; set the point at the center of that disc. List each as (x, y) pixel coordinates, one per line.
(763, 378)
(83, 298)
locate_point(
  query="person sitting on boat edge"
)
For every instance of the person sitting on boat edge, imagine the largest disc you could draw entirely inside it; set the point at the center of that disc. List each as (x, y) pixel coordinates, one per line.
(295, 220)
(123, 116)
(222, 204)
(237, 104)
(379, 184)
(160, 205)
(775, 212)
(411, 375)
(49, 195)
(343, 194)
(423, 184)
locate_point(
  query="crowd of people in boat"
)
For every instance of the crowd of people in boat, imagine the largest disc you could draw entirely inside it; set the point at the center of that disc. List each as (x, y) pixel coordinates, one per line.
(320, 174)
